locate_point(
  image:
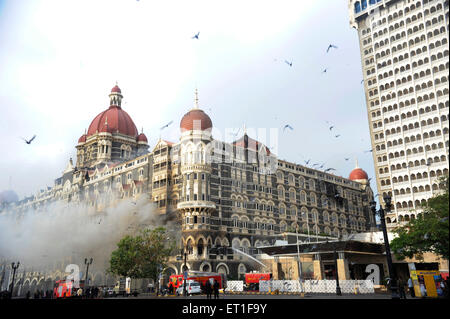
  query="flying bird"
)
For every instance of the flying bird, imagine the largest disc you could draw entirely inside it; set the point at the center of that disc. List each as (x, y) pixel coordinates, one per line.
(196, 36)
(322, 166)
(331, 127)
(369, 179)
(368, 151)
(287, 126)
(288, 63)
(235, 134)
(307, 162)
(167, 125)
(362, 81)
(346, 158)
(331, 46)
(315, 164)
(337, 135)
(325, 71)
(29, 141)
(329, 169)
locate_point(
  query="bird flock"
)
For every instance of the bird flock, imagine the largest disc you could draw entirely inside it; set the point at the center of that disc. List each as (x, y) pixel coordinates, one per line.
(289, 63)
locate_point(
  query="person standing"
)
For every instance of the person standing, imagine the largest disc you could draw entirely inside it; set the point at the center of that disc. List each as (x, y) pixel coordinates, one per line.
(208, 290)
(401, 288)
(411, 287)
(216, 289)
(79, 292)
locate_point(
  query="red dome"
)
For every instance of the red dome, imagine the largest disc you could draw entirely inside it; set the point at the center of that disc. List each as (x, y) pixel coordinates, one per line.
(82, 139)
(195, 119)
(116, 89)
(113, 120)
(142, 138)
(358, 174)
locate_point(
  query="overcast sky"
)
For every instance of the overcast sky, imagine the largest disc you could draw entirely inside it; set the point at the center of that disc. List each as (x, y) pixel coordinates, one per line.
(60, 59)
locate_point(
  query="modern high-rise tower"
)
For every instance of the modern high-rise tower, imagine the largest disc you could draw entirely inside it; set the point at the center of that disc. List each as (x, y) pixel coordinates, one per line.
(405, 61)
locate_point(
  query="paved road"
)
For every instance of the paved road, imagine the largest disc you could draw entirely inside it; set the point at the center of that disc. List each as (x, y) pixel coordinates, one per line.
(255, 296)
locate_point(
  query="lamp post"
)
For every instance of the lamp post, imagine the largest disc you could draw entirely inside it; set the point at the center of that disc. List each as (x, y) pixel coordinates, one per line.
(14, 268)
(87, 263)
(392, 276)
(183, 252)
(299, 263)
(338, 288)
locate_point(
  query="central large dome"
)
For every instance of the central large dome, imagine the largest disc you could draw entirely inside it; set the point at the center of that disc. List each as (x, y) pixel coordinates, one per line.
(113, 120)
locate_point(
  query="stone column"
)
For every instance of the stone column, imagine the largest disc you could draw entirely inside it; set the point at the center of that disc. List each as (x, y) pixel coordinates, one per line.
(318, 269)
(342, 264)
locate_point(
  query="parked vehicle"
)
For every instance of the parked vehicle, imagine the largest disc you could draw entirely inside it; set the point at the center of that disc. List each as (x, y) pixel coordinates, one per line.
(192, 287)
(65, 289)
(122, 287)
(199, 276)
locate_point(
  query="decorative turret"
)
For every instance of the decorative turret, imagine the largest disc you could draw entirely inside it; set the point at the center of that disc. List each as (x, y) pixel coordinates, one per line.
(115, 97)
(359, 175)
(195, 204)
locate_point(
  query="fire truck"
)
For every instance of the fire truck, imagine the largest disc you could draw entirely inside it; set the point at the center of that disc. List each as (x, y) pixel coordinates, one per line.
(252, 279)
(65, 289)
(201, 277)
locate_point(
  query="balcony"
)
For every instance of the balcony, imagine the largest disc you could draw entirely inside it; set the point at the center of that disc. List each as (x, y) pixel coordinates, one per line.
(196, 204)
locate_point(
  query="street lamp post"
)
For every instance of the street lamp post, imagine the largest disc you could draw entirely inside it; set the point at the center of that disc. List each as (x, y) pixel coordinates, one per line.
(338, 288)
(392, 276)
(299, 263)
(87, 263)
(14, 268)
(183, 252)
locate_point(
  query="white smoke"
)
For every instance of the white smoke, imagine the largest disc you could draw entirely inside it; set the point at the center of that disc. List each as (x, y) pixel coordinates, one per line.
(65, 233)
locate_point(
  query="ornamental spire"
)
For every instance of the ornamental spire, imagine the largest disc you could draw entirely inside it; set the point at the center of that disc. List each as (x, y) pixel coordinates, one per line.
(196, 99)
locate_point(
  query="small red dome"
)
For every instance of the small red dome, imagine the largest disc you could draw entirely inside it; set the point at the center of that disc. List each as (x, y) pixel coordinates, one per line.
(116, 89)
(113, 120)
(358, 174)
(142, 138)
(195, 119)
(82, 139)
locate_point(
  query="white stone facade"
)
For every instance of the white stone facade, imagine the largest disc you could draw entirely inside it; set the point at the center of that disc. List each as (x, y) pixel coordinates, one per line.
(405, 61)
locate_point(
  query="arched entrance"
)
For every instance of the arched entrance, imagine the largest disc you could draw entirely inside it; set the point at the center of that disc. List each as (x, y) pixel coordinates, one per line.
(48, 284)
(169, 271)
(25, 288)
(222, 269)
(40, 285)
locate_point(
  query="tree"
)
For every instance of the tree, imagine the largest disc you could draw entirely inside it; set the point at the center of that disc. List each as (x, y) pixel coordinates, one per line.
(155, 251)
(143, 256)
(427, 233)
(124, 260)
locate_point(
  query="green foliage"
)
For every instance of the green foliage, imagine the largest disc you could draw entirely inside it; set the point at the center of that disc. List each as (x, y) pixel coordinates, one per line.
(143, 256)
(428, 233)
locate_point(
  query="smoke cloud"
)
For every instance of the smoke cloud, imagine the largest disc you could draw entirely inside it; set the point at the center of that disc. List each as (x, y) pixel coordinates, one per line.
(65, 233)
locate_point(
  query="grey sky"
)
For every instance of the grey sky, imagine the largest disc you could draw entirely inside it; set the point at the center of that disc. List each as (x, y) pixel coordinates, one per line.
(60, 59)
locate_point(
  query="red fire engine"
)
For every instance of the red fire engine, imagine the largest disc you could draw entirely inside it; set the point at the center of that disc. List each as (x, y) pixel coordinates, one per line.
(65, 289)
(199, 276)
(252, 280)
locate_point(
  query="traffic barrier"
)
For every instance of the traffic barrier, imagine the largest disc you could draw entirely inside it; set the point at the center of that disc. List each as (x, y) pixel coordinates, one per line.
(307, 286)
